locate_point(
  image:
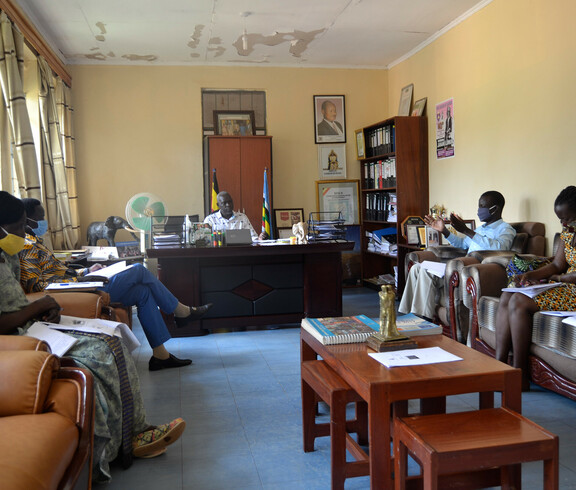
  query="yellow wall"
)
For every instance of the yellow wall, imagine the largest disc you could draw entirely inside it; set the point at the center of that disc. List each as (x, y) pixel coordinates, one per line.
(510, 69)
(139, 129)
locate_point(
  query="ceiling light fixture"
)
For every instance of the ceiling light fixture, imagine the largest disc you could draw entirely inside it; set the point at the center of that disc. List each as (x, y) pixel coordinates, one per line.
(244, 33)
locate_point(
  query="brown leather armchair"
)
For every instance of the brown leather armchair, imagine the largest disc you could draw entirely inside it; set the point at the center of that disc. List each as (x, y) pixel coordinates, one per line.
(46, 418)
(451, 313)
(90, 304)
(553, 347)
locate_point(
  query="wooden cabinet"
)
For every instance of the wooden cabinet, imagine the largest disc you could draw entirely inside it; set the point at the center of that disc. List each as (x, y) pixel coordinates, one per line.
(399, 145)
(239, 162)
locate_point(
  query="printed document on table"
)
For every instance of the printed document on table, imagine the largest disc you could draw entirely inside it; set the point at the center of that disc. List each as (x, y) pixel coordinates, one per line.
(111, 270)
(414, 357)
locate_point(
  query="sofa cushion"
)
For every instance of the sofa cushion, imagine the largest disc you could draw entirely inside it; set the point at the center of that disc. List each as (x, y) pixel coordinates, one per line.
(36, 450)
(31, 372)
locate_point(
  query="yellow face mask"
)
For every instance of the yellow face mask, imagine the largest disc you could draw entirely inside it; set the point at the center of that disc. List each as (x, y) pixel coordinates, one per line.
(11, 244)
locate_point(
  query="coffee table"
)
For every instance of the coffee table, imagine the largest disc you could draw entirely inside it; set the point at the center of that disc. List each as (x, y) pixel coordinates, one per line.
(384, 388)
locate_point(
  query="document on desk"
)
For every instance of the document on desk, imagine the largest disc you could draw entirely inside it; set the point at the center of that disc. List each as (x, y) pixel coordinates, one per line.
(414, 357)
(111, 270)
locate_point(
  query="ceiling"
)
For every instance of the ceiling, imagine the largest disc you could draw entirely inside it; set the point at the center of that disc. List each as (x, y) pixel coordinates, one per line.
(306, 33)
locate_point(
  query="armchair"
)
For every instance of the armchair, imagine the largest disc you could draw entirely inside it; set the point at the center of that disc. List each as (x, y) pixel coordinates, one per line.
(451, 313)
(90, 304)
(46, 418)
(553, 347)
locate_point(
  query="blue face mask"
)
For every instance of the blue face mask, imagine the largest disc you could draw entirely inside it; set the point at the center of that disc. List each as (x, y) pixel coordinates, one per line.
(484, 214)
(42, 227)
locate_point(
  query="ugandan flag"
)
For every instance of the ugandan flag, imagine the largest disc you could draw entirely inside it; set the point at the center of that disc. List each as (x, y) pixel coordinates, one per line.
(215, 191)
(266, 228)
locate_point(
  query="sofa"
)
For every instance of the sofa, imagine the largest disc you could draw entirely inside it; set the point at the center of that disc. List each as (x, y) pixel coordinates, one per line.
(451, 313)
(553, 347)
(46, 419)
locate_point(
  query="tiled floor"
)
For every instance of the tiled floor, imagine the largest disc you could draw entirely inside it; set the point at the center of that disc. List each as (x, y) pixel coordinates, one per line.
(241, 402)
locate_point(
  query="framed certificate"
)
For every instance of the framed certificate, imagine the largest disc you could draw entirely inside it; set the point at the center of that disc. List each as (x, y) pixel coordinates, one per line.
(339, 196)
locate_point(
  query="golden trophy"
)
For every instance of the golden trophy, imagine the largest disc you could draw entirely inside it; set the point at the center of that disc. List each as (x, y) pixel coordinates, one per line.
(389, 339)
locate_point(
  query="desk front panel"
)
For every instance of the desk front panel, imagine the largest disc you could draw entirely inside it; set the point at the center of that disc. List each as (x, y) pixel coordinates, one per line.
(253, 285)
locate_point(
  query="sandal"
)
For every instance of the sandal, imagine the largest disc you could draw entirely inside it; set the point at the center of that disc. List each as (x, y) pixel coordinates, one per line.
(152, 442)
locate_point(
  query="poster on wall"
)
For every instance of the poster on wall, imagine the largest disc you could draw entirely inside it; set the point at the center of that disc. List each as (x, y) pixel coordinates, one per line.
(445, 129)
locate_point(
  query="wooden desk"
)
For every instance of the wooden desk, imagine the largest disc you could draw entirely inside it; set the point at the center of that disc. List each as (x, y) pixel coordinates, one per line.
(384, 387)
(255, 284)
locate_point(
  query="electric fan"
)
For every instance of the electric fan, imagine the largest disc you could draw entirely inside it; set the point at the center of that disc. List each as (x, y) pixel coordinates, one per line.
(143, 206)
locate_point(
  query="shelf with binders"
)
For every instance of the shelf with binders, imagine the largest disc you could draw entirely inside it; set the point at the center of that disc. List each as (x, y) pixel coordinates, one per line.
(393, 160)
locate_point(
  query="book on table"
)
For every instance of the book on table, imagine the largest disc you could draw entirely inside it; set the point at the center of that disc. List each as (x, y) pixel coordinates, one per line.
(354, 329)
(341, 330)
(412, 326)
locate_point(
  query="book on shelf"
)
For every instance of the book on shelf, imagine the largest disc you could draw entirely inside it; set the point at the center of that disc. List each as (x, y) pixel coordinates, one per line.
(340, 330)
(414, 326)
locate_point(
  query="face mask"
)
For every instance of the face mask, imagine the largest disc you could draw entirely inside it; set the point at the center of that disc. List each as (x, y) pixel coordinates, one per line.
(42, 227)
(570, 227)
(484, 214)
(11, 244)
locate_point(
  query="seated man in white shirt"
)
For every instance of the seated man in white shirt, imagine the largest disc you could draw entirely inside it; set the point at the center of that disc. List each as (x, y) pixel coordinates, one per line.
(422, 290)
(226, 219)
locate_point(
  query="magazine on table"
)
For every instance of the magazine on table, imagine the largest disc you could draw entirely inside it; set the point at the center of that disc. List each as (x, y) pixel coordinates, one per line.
(341, 330)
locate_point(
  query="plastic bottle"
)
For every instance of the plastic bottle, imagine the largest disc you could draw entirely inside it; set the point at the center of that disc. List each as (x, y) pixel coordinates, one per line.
(187, 229)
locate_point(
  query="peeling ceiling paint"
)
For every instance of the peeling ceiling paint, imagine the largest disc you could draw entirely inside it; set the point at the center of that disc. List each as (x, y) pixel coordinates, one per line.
(350, 33)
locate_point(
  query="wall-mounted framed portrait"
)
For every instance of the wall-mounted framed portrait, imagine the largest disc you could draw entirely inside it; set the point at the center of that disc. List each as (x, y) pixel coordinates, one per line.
(339, 196)
(329, 119)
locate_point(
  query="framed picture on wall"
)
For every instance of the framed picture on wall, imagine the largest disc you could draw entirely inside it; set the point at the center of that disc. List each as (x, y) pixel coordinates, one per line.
(360, 144)
(285, 218)
(339, 196)
(405, 100)
(329, 119)
(332, 161)
(234, 123)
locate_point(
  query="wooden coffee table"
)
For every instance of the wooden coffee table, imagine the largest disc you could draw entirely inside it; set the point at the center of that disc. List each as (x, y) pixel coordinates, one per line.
(384, 387)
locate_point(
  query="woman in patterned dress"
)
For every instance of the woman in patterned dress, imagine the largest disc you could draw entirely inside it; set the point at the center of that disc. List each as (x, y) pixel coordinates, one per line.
(120, 426)
(516, 310)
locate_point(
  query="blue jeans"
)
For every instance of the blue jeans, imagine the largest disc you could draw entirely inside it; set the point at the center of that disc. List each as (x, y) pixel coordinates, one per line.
(136, 286)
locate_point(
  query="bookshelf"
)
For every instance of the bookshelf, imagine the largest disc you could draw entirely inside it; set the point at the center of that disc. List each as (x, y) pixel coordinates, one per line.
(394, 185)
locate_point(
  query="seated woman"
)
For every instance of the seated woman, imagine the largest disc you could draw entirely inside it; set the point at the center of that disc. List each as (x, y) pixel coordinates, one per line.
(515, 312)
(120, 426)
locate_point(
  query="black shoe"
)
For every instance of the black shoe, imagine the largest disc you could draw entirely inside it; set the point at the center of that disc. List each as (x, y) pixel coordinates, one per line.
(195, 314)
(156, 364)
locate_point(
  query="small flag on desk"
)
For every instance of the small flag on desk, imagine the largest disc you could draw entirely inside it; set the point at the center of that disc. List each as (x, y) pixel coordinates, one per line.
(266, 208)
(215, 191)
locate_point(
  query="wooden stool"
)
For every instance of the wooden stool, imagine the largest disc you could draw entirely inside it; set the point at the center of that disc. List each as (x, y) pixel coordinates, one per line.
(319, 381)
(469, 441)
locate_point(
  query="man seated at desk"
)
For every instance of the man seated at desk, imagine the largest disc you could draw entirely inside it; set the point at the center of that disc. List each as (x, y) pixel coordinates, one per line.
(226, 219)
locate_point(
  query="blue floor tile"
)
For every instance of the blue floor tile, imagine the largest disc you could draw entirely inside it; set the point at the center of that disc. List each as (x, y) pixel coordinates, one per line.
(241, 402)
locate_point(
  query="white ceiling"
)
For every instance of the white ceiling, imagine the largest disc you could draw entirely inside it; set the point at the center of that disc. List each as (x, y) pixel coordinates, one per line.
(319, 33)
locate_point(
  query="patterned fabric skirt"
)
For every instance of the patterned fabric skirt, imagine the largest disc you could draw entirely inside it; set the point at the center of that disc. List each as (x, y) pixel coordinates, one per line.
(562, 298)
